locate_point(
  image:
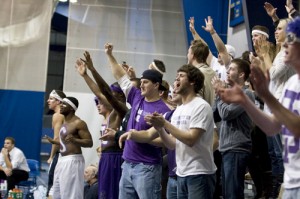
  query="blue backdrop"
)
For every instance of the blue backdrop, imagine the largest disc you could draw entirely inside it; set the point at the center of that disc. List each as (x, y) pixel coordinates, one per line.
(26, 109)
(217, 9)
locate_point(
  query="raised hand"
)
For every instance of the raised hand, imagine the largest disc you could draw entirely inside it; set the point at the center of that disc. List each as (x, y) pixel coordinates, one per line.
(271, 11)
(88, 60)
(192, 25)
(209, 25)
(129, 70)
(108, 48)
(289, 6)
(81, 67)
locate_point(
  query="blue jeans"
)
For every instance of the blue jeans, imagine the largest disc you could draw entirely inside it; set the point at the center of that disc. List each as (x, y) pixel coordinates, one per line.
(172, 188)
(291, 193)
(233, 174)
(196, 186)
(275, 153)
(140, 180)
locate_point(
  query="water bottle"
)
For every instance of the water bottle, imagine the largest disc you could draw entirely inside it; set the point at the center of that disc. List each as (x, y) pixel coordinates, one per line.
(3, 188)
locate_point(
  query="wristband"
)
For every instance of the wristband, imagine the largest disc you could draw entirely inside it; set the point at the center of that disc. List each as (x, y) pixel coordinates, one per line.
(293, 9)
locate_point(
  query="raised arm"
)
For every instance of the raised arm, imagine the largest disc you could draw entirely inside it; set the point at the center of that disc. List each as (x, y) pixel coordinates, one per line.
(271, 11)
(196, 36)
(81, 68)
(226, 58)
(292, 12)
(104, 88)
(116, 69)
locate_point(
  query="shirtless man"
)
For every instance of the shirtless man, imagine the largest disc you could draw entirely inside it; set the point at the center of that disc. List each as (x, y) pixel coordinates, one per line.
(54, 101)
(69, 171)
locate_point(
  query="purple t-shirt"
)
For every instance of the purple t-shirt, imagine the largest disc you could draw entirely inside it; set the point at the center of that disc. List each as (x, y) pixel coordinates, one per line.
(171, 153)
(140, 152)
(172, 162)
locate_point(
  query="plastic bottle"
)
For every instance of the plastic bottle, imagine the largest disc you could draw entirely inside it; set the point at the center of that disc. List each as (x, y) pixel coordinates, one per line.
(3, 188)
(17, 191)
(10, 194)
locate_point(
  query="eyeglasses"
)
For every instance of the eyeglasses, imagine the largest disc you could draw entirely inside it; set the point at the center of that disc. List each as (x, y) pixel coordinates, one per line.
(291, 38)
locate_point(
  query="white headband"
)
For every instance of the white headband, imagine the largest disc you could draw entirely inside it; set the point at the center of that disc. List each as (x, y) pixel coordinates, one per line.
(55, 95)
(154, 65)
(260, 32)
(70, 103)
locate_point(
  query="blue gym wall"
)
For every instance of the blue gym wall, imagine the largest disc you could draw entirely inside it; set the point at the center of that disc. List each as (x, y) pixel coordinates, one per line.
(21, 118)
(217, 9)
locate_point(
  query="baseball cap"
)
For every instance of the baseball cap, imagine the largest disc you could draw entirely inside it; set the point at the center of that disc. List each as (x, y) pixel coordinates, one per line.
(231, 50)
(152, 75)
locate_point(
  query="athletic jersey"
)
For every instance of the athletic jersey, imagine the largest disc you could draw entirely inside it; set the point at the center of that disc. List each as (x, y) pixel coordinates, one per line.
(102, 130)
(291, 154)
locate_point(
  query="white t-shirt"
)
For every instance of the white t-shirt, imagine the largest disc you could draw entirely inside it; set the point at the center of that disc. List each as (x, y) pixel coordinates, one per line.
(199, 158)
(291, 153)
(218, 68)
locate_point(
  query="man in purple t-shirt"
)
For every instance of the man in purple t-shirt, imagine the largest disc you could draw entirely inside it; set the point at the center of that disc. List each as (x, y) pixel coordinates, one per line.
(142, 166)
